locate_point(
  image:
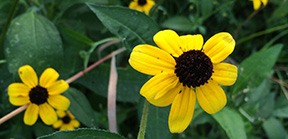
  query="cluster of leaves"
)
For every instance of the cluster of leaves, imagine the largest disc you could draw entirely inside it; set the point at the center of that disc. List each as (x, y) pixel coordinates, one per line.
(66, 35)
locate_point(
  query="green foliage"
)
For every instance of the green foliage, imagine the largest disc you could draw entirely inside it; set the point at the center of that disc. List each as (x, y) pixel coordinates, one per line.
(71, 35)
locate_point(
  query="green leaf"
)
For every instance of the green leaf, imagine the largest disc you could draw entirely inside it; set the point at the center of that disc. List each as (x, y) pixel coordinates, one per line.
(281, 107)
(34, 40)
(274, 129)
(206, 7)
(128, 86)
(157, 122)
(80, 107)
(179, 23)
(231, 121)
(262, 62)
(84, 133)
(131, 26)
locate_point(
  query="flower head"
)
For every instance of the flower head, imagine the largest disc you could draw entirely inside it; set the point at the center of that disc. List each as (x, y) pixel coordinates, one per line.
(39, 97)
(257, 3)
(67, 121)
(184, 69)
(142, 5)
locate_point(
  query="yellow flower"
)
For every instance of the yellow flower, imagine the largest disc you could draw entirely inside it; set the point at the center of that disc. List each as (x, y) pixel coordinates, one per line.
(39, 97)
(142, 5)
(257, 3)
(67, 121)
(182, 71)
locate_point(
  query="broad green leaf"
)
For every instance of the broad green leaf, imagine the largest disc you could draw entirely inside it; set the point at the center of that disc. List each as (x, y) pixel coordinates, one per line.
(41, 129)
(128, 85)
(179, 23)
(157, 122)
(34, 40)
(231, 121)
(281, 107)
(274, 129)
(131, 26)
(80, 107)
(84, 133)
(254, 69)
(266, 106)
(206, 7)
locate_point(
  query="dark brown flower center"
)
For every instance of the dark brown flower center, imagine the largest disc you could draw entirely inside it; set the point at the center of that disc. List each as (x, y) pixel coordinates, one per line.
(38, 95)
(66, 119)
(142, 2)
(193, 68)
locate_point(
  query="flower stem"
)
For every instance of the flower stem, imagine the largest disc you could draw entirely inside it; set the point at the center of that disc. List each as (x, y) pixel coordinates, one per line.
(143, 124)
(13, 113)
(81, 73)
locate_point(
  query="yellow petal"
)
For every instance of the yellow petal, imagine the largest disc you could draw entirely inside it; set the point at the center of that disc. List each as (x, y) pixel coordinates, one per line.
(147, 7)
(18, 90)
(192, 42)
(47, 114)
(66, 127)
(19, 101)
(169, 41)
(58, 87)
(219, 46)
(256, 4)
(161, 89)
(264, 2)
(75, 123)
(31, 114)
(61, 113)
(58, 124)
(70, 115)
(224, 74)
(182, 110)
(48, 77)
(211, 97)
(151, 60)
(59, 102)
(28, 76)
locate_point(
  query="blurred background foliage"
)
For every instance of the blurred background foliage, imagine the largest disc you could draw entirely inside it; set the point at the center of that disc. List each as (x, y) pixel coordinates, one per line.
(68, 35)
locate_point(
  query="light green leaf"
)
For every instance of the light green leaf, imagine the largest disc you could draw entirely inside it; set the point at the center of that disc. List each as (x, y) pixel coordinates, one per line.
(84, 133)
(231, 121)
(262, 61)
(80, 107)
(131, 26)
(34, 40)
(128, 85)
(274, 129)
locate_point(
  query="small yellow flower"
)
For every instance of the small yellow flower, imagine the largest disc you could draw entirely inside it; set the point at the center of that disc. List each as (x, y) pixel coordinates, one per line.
(184, 69)
(142, 5)
(257, 3)
(40, 97)
(67, 121)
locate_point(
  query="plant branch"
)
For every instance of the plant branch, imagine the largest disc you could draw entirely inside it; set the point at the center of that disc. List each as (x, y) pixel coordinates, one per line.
(13, 113)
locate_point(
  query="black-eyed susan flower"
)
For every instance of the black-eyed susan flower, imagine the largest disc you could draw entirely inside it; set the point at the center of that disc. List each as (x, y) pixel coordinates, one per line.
(66, 122)
(39, 97)
(184, 69)
(257, 3)
(142, 5)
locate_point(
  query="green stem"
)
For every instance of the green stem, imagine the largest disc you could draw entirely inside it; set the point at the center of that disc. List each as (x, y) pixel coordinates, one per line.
(217, 10)
(5, 29)
(281, 27)
(283, 33)
(143, 124)
(3, 61)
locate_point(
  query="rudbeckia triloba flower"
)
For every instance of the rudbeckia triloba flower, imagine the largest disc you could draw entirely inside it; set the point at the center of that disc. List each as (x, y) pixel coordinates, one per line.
(184, 69)
(39, 97)
(67, 121)
(142, 5)
(257, 3)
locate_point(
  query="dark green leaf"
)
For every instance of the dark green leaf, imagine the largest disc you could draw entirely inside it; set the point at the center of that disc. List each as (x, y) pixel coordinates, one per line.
(262, 61)
(274, 129)
(128, 86)
(231, 121)
(157, 122)
(33, 40)
(80, 107)
(206, 7)
(179, 23)
(84, 133)
(131, 26)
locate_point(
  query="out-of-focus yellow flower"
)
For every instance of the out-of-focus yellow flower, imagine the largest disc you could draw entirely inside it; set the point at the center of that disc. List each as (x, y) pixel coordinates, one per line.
(40, 97)
(142, 5)
(257, 3)
(66, 122)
